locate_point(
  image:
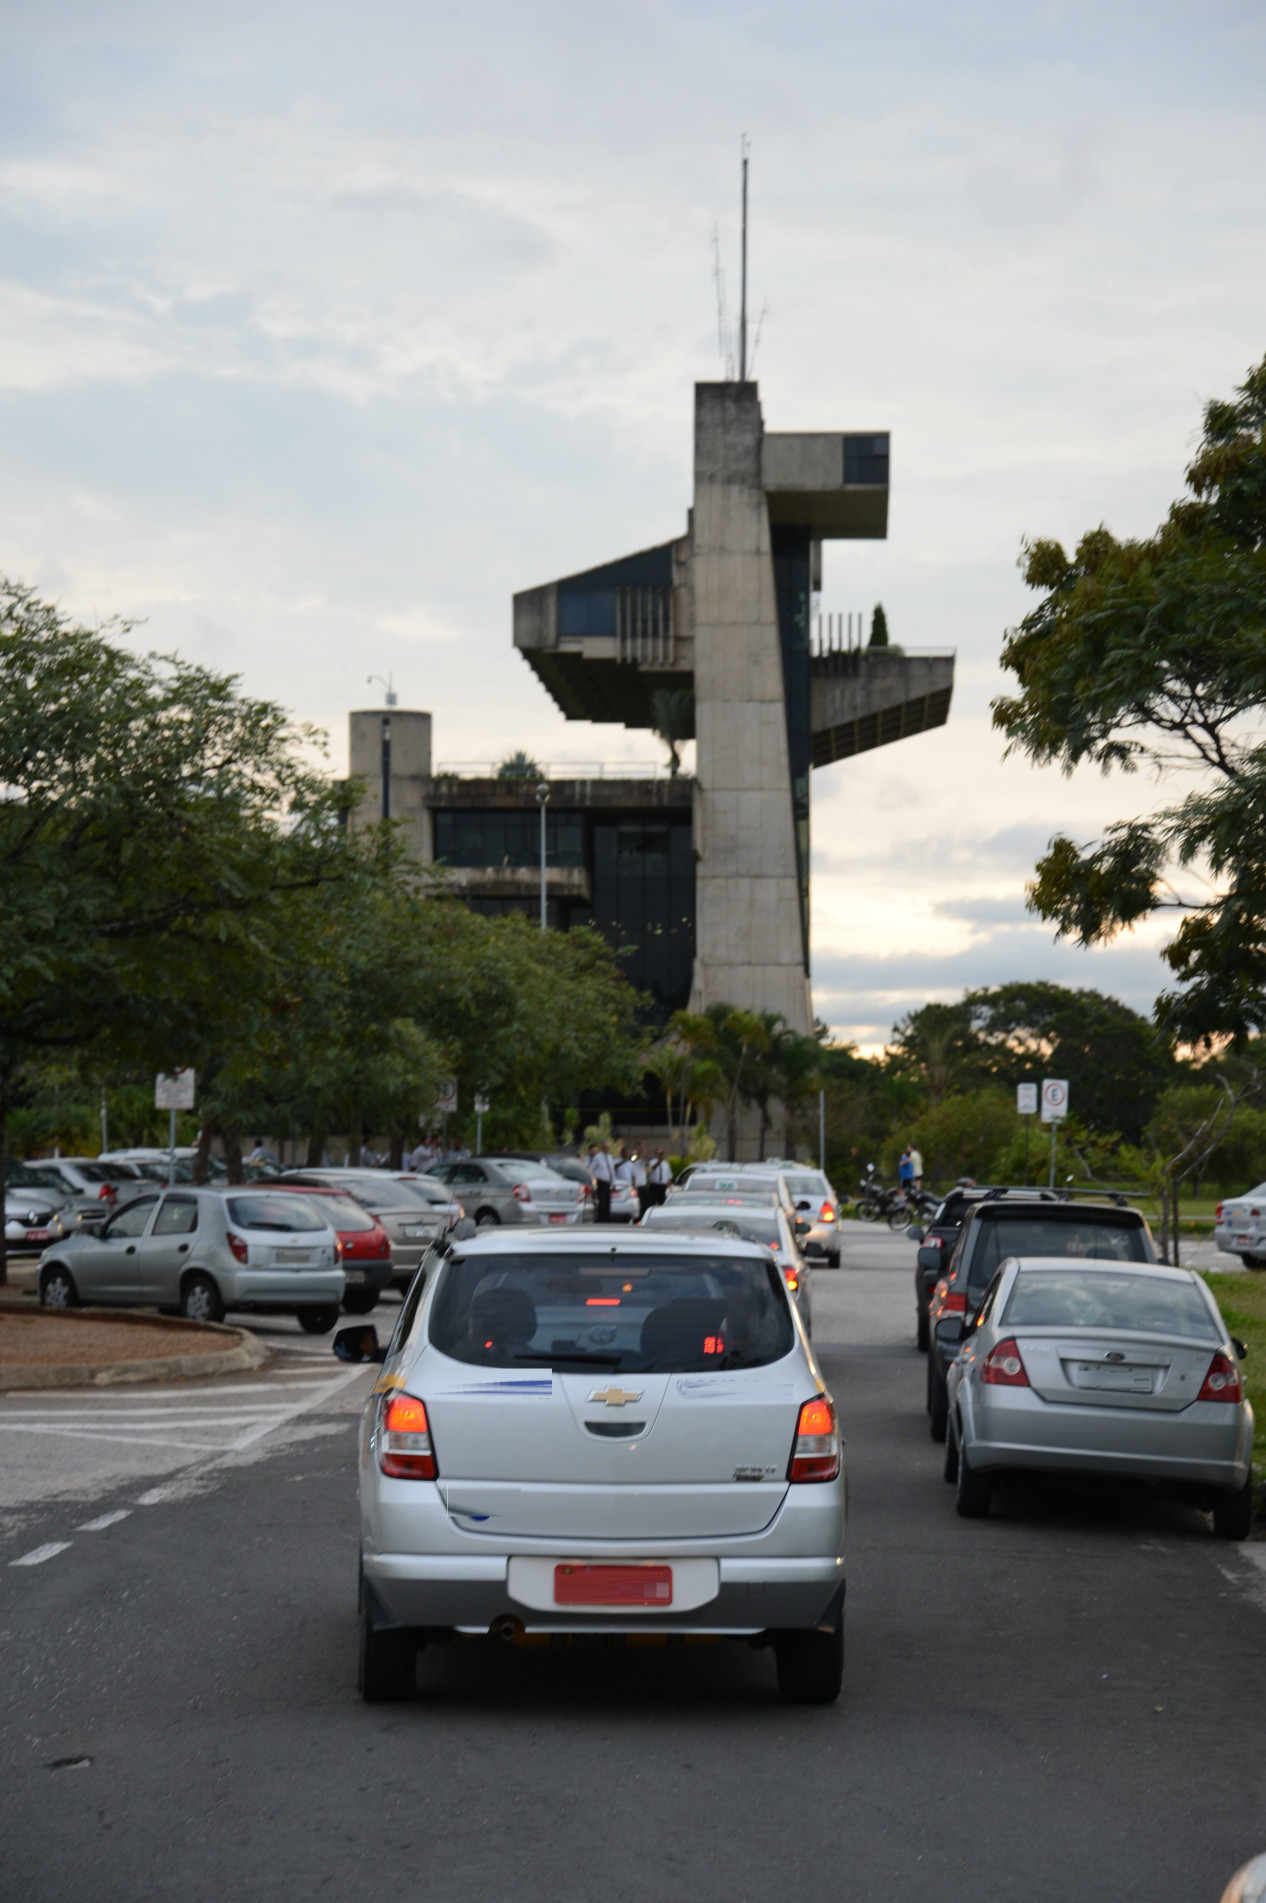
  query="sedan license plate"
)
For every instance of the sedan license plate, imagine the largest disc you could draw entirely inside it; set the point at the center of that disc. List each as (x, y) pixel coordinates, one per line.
(1117, 1380)
(561, 1217)
(1243, 1242)
(294, 1255)
(38, 1235)
(635, 1585)
(414, 1231)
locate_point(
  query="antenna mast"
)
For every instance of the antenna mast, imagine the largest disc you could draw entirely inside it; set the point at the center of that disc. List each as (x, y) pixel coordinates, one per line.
(743, 289)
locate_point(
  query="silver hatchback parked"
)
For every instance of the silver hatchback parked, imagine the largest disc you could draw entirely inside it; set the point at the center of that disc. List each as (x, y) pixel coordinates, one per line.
(510, 1190)
(1102, 1368)
(202, 1251)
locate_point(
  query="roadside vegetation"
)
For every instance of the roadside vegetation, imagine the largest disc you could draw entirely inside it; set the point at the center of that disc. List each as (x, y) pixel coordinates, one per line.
(1242, 1299)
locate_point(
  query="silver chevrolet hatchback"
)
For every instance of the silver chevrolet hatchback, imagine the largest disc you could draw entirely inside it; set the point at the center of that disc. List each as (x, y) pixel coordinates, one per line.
(573, 1434)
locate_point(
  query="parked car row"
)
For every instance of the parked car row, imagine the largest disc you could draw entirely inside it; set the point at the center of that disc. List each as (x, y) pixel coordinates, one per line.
(1058, 1343)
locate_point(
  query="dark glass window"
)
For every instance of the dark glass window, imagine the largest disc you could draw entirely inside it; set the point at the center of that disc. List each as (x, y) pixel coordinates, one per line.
(866, 458)
(509, 838)
(644, 899)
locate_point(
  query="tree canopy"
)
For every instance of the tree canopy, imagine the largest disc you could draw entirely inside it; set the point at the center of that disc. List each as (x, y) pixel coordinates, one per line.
(1153, 652)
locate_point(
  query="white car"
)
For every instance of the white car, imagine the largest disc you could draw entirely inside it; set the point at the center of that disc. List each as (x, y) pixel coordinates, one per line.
(1240, 1227)
(580, 1433)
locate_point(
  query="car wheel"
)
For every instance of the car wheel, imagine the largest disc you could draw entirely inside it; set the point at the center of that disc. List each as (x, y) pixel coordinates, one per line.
(833, 1261)
(57, 1288)
(921, 1330)
(360, 1301)
(200, 1300)
(1233, 1513)
(938, 1402)
(974, 1491)
(811, 1665)
(949, 1471)
(388, 1663)
(318, 1321)
(487, 1219)
(1254, 1261)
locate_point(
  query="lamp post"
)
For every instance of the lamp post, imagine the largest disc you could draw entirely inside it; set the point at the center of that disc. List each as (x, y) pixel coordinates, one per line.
(542, 800)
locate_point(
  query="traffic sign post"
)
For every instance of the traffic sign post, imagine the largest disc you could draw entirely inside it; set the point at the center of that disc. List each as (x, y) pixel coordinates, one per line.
(481, 1104)
(1054, 1110)
(1026, 1105)
(173, 1093)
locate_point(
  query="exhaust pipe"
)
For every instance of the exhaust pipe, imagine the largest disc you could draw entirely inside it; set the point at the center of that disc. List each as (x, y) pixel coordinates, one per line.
(506, 1628)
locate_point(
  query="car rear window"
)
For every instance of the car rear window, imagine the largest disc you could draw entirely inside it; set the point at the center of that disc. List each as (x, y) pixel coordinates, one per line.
(807, 1185)
(639, 1315)
(108, 1172)
(1097, 1240)
(1096, 1298)
(342, 1213)
(271, 1211)
(752, 1224)
(525, 1172)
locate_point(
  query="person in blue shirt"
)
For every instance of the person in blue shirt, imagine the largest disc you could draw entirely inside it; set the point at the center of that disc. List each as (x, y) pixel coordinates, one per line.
(905, 1170)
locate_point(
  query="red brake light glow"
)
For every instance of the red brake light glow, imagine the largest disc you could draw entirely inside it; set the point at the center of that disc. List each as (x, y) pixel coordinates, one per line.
(791, 1279)
(826, 1213)
(954, 1305)
(713, 1345)
(1004, 1367)
(1222, 1383)
(523, 1193)
(405, 1451)
(602, 1301)
(816, 1454)
(236, 1244)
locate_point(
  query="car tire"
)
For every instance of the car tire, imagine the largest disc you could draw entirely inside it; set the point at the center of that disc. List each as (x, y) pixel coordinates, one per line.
(974, 1491)
(200, 1300)
(833, 1261)
(360, 1301)
(949, 1472)
(388, 1663)
(1254, 1261)
(318, 1321)
(811, 1665)
(1233, 1513)
(487, 1219)
(57, 1288)
(922, 1332)
(938, 1402)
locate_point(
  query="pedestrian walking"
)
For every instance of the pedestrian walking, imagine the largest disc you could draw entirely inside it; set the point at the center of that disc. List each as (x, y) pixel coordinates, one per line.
(916, 1168)
(602, 1169)
(905, 1170)
(658, 1177)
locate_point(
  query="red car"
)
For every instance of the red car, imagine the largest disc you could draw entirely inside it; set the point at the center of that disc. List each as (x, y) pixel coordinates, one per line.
(364, 1247)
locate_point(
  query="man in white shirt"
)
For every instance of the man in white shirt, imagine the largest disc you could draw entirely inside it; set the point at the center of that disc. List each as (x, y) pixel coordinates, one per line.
(658, 1177)
(602, 1169)
(916, 1160)
(637, 1177)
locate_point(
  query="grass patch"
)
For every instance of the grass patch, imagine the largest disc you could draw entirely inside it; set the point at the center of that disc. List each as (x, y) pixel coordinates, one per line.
(1242, 1299)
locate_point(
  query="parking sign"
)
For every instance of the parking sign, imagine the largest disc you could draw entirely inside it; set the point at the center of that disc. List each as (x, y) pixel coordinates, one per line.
(1054, 1099)
(1026, 1099)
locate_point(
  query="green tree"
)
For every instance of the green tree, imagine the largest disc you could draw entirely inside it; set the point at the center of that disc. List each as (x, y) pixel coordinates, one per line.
(149, 810)
(962, 1134)
(879, 627)
(673, 721)
(937, 1048)
(1153, 653)
(1116, 1062)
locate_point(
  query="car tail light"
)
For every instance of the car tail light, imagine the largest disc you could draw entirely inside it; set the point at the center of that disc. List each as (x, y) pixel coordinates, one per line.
(1004, 1368)
(523, 1193)
(792, 1279)
(384, 1243)
(340, 1251)
(1222, 1383)
(1217, 1214)
(239, 1248)
(826, 1213)
(816, 1454)
(954, 1305)
(107, 1193)
(405, 1451)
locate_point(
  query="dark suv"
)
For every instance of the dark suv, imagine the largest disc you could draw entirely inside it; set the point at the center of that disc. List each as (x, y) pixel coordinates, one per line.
(1018, 1223)
(936, 1245)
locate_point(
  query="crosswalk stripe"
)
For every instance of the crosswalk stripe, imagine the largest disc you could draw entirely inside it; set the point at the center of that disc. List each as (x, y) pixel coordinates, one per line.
(38, 1554)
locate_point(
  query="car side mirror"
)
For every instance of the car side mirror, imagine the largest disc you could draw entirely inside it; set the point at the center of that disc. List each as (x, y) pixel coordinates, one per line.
(952, 1329)
(929, 1259)
(915, 1233)
(1240, 1347)
(359, 1344)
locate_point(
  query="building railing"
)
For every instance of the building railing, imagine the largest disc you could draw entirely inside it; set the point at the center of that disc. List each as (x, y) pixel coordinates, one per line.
(846, 634)
(644, 626)
(558, 770)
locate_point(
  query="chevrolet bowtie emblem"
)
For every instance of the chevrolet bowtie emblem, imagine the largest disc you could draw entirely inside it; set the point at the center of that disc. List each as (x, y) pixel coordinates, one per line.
(615, 1397)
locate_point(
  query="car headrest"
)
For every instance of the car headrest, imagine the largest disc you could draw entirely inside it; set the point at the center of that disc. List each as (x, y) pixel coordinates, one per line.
(506, 1317)
(676, 1332)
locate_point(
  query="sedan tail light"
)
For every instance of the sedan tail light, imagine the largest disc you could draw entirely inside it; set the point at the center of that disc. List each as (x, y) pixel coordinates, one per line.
(1222, 1383)
(827, 1213)
(405, 1451)
(816, 1454)
(792, 1279)
(384, 1243)
(523, 1193)
(954, 1305)
(236, 1244)
(1004, 1367)
(1217, 1214)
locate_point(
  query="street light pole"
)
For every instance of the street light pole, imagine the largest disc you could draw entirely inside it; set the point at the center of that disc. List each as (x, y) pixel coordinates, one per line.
(542, 800)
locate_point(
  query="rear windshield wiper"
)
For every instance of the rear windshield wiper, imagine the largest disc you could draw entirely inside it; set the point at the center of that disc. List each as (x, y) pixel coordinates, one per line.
(565, 1354)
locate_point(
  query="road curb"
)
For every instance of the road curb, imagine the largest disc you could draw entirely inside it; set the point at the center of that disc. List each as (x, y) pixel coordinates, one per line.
(249, 1353)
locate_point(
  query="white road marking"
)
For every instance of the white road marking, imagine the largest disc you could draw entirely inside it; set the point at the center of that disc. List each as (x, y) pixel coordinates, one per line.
(107, 1519)
(38, 1554)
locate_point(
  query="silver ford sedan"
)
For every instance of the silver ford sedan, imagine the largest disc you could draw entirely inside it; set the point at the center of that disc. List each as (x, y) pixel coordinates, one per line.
(580, 1435)
(202, 1251)
(1102, 1368)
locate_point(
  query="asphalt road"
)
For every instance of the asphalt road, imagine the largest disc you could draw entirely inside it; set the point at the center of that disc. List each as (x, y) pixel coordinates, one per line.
(1064, 1703)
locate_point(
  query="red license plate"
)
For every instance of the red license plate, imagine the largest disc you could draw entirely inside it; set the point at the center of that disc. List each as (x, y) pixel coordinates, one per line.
(613, 1585)
(561, 1218)
(37, 1235)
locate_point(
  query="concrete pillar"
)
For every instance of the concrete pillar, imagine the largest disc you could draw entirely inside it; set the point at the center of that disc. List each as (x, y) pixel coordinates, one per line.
(398, 741)
(749, 941)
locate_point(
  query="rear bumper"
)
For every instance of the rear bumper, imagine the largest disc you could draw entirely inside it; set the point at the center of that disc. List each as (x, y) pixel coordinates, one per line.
(374, 1274)
(472, 1592)
(276, 1289)
(1199, 1445)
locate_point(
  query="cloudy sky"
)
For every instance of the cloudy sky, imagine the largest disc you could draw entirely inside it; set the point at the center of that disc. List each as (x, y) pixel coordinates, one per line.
(323, 328)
